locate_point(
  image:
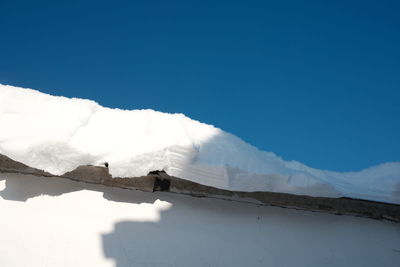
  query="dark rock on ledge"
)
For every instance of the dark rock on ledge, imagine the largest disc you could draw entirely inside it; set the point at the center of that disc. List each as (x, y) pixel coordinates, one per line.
(161, 181)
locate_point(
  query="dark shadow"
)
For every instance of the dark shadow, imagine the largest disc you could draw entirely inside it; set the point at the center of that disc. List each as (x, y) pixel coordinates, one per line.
(210, 232)
(22, 187)
(181, 236)
(19, 187)
(127, 196)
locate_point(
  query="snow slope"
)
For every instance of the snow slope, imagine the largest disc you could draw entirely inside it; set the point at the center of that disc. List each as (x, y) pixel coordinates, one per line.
(58, 134)
(58, 222)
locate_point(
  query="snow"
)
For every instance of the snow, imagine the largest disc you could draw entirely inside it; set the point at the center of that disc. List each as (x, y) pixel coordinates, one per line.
(58, 222)
(58, 134)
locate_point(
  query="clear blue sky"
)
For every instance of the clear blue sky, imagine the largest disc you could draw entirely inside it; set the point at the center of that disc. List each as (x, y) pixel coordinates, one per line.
(313, 81)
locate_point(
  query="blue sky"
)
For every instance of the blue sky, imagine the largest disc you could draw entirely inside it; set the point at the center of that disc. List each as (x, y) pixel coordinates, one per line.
(313, 81)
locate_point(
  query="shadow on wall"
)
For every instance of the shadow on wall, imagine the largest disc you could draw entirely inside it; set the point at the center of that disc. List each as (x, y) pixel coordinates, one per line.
(193, 232)
(20, 187)
(208, 232)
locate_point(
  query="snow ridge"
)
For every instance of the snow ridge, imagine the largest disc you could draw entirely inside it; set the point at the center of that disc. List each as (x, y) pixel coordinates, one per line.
(58, 134)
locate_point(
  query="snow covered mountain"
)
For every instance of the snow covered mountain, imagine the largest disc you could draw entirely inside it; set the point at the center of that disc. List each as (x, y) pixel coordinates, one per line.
(58, 134)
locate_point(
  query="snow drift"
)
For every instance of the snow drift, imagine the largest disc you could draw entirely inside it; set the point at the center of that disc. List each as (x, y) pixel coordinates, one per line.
(58, 134)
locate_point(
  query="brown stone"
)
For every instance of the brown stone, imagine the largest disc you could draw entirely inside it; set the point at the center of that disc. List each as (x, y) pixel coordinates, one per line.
(157, 180)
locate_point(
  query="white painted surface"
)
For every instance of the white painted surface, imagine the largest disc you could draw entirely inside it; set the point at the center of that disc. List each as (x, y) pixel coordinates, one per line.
(57, 222)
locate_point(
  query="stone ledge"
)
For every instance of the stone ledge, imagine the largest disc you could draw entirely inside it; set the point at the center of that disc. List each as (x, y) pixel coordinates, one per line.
(161, 181)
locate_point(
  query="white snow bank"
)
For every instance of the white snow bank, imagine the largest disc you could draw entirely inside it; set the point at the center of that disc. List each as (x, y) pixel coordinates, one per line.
(58, 134)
